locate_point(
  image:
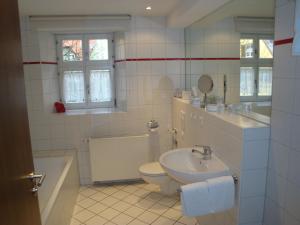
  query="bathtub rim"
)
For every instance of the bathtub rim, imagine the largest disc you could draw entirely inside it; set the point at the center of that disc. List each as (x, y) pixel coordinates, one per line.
(54, 194)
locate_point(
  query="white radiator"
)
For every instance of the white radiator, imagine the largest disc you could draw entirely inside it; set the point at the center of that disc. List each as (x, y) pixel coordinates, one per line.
(118, 158)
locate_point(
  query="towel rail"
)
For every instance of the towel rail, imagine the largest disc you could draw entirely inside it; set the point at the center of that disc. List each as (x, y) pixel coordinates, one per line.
(235, 180)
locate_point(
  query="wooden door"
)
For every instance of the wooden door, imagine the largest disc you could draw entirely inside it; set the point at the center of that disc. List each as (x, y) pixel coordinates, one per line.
(18, 205)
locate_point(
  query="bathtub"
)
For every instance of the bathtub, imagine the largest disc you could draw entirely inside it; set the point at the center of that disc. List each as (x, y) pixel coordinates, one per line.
(57, 195)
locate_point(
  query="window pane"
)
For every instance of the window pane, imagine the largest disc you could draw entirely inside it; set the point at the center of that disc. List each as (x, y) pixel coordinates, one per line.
(265, 49)
(74, 87)
(265, 81)
(98, 49)
(246, 48)
(100, 85)
(247, 86)
(72, 50)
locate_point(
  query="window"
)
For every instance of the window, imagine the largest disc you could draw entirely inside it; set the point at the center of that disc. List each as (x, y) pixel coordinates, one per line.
(256, 53)
(86, 70)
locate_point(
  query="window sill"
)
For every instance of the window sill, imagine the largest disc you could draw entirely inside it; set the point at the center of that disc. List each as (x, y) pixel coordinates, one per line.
(74, 112)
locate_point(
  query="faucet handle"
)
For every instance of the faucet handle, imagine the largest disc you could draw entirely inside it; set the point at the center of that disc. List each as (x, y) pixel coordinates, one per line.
(206, 148)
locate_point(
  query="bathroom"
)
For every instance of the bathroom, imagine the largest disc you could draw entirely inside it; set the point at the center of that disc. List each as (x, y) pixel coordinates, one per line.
(183, 82)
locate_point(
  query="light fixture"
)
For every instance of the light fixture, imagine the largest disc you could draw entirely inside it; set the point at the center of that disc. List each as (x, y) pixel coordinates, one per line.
(148, 8)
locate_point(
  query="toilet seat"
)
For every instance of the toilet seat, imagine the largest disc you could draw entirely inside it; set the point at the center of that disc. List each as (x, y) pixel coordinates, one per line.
(153, 169)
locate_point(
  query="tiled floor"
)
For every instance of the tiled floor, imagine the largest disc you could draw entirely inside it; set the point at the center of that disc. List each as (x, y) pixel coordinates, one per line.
(134, 204)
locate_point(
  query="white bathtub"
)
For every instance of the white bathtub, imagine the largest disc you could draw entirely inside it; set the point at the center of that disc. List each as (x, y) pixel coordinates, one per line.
(57, 195)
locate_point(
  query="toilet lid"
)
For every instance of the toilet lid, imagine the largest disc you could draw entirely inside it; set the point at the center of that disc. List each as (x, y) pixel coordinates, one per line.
(152, 169)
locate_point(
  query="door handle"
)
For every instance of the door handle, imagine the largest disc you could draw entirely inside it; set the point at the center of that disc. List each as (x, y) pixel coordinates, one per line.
(37, 180)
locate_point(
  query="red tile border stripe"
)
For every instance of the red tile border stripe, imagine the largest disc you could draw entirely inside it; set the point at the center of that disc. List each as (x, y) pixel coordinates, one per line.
(283, 41)
(171, 59)
(39, 62)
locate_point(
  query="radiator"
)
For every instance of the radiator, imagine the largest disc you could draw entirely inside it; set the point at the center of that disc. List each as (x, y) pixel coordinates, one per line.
(118, 158)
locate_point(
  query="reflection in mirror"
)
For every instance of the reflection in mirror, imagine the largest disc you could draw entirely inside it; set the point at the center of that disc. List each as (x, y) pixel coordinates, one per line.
(234, 47)
(205, 85)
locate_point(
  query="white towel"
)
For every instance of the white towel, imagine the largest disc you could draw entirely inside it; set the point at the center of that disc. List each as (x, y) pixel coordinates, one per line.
(195, 199)
(221, 193)
(211, 196)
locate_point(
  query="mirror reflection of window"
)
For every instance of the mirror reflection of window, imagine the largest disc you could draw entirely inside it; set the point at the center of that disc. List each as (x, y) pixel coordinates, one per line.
(246, 48)
(256, 53)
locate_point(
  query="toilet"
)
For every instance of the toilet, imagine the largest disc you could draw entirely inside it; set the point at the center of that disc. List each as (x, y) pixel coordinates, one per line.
(153, 173)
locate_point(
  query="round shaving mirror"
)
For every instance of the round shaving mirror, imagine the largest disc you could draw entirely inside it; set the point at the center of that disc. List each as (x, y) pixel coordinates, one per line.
(205, 84)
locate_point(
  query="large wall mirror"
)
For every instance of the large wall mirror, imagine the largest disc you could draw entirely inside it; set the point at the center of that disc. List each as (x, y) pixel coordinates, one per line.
(234, 46)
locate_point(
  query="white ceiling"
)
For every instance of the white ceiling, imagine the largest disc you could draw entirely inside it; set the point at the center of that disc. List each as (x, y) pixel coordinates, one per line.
(245, 8)
(180, 13)
(88, 7)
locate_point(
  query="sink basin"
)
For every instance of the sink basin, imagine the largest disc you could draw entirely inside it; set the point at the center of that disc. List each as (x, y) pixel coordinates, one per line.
(187, 167)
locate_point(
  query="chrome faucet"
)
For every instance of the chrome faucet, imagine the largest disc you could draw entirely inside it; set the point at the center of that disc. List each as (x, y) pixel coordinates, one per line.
(206, 153)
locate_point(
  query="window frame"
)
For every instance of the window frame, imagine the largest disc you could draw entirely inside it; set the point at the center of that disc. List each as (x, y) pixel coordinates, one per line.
(86, 65)
(256, 62)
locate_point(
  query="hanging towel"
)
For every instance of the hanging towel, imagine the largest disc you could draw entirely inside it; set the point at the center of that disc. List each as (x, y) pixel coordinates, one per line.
(221, 193)
(210, 196)
(195, 199)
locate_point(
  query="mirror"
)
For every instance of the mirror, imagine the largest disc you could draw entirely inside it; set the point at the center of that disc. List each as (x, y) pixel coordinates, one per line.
(205, 84)
(234, 48)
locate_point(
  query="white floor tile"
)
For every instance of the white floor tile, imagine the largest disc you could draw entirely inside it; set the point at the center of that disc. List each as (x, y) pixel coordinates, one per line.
(148, 217)
(109, 190)
(158, 208)
(130, 189)
(142, 192)
(88, 192)
(134, 211)
(84, 215)
(109, 213)
(121, 206)
(99, 196)
(151, 187)
(110, 223)
(109, 201)
(97, 208)
(145, 203)
(96, 220)
(137, 222)
(120, 194)
(154, 196)
(86, 203)
(75, 222)
(163, 221)
(173, 214)
(168, 201)
(132, 199)
(122, 219)
(187, 220)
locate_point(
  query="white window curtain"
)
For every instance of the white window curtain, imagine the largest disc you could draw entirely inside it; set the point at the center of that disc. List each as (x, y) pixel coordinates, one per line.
(296, 42)
(74, 87)
(100, 86)
(247, 81)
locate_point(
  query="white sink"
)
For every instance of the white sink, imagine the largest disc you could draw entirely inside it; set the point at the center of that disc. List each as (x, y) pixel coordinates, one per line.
(187, 167)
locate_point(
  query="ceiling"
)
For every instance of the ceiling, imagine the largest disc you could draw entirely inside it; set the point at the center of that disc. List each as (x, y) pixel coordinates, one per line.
(88, 7)
(243, 8)
(180, 13)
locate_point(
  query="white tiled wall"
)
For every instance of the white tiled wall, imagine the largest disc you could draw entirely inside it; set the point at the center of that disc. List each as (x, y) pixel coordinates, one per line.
(282, 206)
(243, 146)
(144, 89)
(216, 41)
